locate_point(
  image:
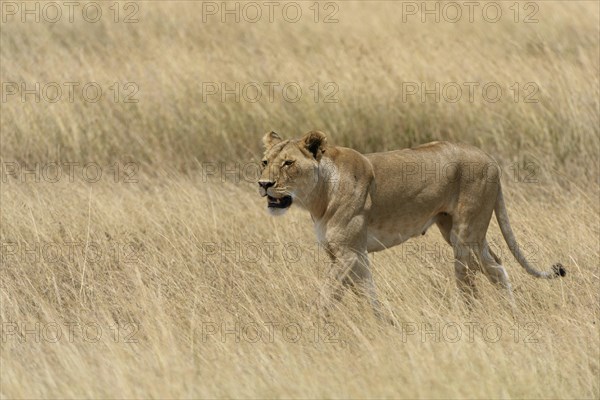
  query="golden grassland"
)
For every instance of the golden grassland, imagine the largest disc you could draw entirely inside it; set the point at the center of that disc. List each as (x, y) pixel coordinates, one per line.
(166, 282)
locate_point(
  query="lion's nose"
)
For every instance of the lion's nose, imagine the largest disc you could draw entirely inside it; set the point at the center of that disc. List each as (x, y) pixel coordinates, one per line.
(265, 184)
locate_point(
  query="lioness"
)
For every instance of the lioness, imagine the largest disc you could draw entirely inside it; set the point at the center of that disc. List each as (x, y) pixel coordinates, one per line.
(366, 203)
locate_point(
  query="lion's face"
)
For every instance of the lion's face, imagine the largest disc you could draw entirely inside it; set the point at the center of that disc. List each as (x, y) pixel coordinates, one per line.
(289, 170)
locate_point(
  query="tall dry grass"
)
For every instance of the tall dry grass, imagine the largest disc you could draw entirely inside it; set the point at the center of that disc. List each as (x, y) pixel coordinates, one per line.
(196, 293)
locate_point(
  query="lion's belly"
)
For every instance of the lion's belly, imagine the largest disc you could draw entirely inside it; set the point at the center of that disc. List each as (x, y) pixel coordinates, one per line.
(378, 240)
(383, 235)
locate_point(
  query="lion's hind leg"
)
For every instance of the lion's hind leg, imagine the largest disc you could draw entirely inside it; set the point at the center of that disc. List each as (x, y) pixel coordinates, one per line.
(495, 272)
(466, 264)
(465, 258)
(444, 223)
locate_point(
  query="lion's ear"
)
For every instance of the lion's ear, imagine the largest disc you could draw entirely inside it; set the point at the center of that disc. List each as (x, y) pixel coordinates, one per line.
(271, 139)
(315, 142)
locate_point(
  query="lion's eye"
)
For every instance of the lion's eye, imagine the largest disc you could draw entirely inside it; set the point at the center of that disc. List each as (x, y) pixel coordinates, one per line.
(264, 163)
(288, 162)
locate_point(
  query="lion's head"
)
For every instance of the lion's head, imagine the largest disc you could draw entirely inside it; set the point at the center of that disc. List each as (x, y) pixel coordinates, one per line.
(290, 169)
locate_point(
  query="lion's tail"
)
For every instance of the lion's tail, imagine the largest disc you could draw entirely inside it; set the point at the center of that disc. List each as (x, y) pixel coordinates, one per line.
(509, 237)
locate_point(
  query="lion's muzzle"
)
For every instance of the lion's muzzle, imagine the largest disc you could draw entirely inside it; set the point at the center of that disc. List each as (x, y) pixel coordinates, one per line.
(272, 201)
(282, 202)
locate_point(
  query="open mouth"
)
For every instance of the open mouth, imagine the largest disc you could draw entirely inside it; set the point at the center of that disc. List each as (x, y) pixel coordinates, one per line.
(282, 202)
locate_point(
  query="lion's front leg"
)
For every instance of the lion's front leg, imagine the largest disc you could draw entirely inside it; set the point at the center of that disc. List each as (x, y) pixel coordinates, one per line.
(349, 269)
(338, 277)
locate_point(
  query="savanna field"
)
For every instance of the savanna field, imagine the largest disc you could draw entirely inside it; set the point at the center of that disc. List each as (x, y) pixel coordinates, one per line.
(138, 260)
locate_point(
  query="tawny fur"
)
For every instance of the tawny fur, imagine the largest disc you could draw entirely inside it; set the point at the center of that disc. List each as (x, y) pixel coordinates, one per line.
(367, 203)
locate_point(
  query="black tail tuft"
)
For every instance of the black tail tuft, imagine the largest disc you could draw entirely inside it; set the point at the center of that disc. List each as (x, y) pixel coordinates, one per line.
(559, 270)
